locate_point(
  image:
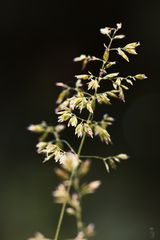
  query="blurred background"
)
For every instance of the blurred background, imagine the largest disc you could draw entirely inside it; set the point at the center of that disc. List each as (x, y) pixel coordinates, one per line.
(38, 42)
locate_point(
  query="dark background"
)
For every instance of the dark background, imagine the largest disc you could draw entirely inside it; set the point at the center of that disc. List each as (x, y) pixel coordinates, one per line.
(38, 40)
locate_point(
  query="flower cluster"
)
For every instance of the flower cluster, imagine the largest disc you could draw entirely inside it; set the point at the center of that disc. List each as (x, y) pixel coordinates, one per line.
(111, 161)
(44, 130)
(50, 150)
(76, 106)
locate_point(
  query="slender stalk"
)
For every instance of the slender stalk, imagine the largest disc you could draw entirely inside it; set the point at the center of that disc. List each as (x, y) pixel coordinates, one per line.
(90, 117)
(81, 144)
(67, 143)
(91, 157)
(79, 213)
(56, 237)
(112, 38)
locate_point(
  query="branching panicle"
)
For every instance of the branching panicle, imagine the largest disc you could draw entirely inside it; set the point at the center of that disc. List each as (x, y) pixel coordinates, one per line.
(72, 102)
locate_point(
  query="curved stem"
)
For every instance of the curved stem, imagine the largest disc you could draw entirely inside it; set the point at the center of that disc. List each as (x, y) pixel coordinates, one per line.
(88, 156)
(67, 143)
